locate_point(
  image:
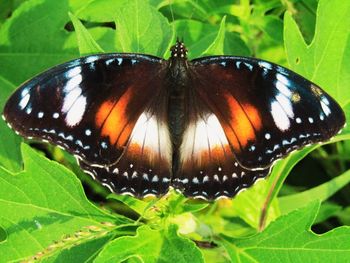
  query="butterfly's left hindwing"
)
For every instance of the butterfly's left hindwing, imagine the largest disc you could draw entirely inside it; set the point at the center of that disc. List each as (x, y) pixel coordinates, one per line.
(145, 165)
(266, 111)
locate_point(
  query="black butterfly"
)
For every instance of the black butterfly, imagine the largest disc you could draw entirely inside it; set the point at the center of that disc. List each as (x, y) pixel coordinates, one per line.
(140, 124)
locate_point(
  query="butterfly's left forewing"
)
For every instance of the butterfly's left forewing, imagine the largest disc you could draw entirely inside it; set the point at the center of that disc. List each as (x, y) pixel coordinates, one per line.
(108, 110)
(266, 111)
(88, 106)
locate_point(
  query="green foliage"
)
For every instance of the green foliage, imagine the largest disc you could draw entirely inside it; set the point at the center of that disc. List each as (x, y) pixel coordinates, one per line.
(291, 240)
(217, 47)
(44, 213)
(328, 52)
(50, 221)
(144, 29)
(150, 246)
(85, 41)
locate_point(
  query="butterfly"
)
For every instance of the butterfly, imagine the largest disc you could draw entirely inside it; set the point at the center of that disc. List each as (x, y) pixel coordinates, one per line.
(140, 124)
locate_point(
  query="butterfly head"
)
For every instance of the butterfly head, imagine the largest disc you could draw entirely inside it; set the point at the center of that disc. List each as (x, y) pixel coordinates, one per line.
(179, 50)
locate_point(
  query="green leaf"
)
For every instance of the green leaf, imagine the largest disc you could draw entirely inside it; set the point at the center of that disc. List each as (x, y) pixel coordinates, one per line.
(188, 207)
(87, 45)
(327, 210)
(321, 193)
(281, 170)
(273, 27)
(305, 16)
(5, 9)
(217, 47)
(34, 38)
(10, 156)
(54, 212)
(151, 246)
(83, 252)
(248, 205)
(289, 239)
(277, 177)
(134, 203)
(142, 29)
(326, 60)
(199, 36)
(344, 216)
(101, 10)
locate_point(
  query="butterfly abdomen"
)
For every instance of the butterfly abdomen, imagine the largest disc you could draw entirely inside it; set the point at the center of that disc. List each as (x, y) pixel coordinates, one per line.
(177, 85)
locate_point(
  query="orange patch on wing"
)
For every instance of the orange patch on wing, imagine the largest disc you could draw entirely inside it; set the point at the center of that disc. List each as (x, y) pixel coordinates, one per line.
(103, 112)
(244, 119)
(231, 137)
(125, 134)
(135, 149)
(136, 152)
(217, 154)
(253, 116)
(111, 117)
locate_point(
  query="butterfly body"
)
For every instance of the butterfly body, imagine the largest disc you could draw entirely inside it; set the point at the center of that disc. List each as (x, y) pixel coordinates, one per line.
(177, 85)
(139, 124)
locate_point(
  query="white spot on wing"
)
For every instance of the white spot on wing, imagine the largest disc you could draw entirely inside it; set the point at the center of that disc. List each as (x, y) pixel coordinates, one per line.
(90, 59)
(109, 61)
(76, 112)
(282, 87)
(325, 105)
(202, 135)
(24, 101)
(24, 92)
(153, 135)
(70, 98)
(166, 180)
(265, 65)
(286, 105)
(73, 72)
(29, 110)
(325, 100)
(73, 82)
(249, 66)
(279, 116)
(155, 179)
